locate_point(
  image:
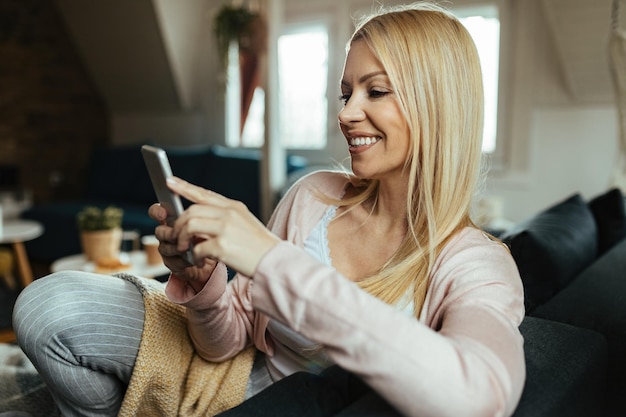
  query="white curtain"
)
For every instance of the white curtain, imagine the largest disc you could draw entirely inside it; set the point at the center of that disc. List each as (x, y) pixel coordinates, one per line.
(617, 60)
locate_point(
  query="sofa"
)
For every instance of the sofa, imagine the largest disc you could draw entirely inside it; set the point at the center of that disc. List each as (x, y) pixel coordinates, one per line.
(117, 176)
(572, 260)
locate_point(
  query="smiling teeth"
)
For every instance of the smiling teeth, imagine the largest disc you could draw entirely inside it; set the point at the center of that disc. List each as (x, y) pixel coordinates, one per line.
(364, 141)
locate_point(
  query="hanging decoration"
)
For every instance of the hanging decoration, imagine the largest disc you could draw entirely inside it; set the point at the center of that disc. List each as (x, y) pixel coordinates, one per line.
(247, 28)
(240, 24)
(234, 23)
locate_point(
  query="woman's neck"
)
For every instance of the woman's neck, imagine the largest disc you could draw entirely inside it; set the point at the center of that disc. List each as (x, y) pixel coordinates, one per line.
(388, 207)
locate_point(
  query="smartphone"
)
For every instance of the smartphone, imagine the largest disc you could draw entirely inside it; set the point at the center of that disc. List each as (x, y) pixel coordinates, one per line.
(160, 170)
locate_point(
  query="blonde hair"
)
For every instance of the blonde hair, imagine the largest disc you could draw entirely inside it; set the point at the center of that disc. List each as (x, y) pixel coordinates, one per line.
(433, 66)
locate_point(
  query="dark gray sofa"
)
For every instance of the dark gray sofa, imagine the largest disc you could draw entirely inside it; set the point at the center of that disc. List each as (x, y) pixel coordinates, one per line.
(572, 259)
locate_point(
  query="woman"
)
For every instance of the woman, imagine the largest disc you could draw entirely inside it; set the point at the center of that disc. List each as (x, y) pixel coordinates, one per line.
(380, 272)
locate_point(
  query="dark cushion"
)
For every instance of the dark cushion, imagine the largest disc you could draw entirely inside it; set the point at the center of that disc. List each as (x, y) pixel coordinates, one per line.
(552, 247)
(187, 162)
(596, 300)
(565, 370)
(112, 173)
(610, 215)
(234, 173)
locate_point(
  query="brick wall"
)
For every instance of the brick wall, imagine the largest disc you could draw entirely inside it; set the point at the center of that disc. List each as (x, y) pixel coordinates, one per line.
(51, 115)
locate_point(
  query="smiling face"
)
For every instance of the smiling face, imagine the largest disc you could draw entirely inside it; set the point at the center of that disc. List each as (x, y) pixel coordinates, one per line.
(371, 120)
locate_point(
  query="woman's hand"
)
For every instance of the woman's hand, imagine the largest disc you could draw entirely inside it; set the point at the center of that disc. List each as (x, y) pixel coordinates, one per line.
(175, 259)
(220, 229)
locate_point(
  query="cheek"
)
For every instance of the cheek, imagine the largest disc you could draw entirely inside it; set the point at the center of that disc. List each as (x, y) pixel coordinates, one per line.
(394, 114)
(398, 128)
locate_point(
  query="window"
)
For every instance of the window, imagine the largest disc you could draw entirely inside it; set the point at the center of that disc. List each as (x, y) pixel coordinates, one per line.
(483, 25)
(303, 69)
(254, 128)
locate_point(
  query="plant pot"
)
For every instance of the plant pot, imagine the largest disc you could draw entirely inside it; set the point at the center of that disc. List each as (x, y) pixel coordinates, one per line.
(101, 245)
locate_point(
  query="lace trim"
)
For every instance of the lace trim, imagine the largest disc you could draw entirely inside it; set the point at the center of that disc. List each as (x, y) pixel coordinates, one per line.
(330, 214)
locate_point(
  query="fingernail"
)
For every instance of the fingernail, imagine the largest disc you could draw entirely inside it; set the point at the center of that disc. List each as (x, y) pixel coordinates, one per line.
(172, 180)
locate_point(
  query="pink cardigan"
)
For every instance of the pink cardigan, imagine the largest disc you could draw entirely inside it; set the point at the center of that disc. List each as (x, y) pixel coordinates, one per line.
(464, 357)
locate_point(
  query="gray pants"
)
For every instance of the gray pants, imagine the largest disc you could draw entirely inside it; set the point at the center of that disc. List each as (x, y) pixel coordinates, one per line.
(82, 333)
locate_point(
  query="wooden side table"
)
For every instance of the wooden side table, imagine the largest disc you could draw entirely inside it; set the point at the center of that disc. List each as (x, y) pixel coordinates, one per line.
(137, 265)
(15, 232)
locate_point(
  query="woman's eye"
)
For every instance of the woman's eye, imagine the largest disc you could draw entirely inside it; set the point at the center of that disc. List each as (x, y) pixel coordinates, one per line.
(378, 93)
(372, 94)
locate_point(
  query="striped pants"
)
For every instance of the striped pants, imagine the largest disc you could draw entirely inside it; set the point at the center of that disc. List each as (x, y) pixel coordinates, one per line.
(82, 333)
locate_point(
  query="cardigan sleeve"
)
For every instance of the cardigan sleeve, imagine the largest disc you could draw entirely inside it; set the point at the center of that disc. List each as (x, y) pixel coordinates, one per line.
(218, 321)
(221, 318)
(463, 357)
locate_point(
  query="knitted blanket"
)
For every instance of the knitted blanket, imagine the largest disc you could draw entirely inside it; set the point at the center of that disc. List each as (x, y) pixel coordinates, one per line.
(169, 378)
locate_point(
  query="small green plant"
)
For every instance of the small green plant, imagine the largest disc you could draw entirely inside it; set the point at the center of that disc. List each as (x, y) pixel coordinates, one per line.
(93, 218)
(232, 24)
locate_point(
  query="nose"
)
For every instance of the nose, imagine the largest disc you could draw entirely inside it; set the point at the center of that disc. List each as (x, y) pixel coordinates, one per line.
(352, 111)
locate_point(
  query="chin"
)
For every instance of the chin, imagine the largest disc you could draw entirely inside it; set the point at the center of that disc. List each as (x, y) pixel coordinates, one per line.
(360, 174)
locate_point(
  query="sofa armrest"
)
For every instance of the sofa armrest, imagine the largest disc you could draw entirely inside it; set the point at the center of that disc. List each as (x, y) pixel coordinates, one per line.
(565, 370)
(595, 300)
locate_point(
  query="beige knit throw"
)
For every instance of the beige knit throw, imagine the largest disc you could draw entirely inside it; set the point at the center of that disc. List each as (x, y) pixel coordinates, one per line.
(169, 378)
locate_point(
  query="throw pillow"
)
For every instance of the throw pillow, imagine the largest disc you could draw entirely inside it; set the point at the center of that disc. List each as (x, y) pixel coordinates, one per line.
(610, 215)
(552, 247)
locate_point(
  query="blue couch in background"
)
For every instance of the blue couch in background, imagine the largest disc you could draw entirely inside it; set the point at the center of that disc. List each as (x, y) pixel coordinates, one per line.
(117, 176)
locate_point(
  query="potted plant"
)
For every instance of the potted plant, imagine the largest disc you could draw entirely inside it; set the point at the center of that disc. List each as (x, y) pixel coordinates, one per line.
(237, 24)
(100, 232)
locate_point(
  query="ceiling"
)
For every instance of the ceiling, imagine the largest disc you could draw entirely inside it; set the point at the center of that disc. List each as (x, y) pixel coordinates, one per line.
(581, 30)
(142, 54)
(122, 46)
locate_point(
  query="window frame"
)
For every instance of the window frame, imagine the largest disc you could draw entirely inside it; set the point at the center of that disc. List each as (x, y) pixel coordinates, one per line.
(305, 27)
(295, 21)
(498, 161)
(340, 28)
(337, 18)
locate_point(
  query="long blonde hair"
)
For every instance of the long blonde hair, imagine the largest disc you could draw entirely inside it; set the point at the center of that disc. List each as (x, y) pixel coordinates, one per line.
(433, 66)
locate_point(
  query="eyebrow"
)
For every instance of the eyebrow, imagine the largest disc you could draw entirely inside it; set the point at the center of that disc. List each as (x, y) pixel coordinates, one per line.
(366, 77)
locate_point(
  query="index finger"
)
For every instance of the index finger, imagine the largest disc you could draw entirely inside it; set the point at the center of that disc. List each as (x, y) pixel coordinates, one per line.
(194, 193)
